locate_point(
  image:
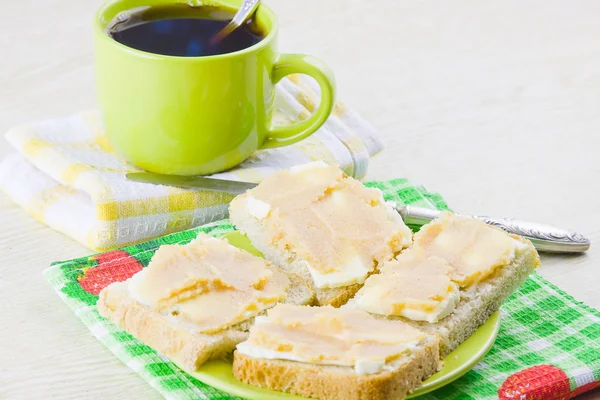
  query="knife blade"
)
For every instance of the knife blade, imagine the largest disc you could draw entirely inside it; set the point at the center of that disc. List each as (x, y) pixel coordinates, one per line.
(544, 237)
(193, 182)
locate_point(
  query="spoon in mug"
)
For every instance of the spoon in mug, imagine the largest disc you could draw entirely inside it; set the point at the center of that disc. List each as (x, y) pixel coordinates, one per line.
(245, 11)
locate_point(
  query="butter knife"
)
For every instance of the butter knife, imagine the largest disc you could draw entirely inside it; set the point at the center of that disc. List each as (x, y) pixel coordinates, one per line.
(545, 238)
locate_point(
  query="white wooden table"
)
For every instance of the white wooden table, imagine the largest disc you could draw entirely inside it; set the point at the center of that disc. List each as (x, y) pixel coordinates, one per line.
(495, 104)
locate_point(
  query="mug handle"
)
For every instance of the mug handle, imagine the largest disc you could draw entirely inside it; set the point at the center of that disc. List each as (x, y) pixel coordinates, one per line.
(278, 136)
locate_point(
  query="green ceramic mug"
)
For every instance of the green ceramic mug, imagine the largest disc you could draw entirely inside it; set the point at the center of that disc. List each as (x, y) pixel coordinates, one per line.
(198, 115)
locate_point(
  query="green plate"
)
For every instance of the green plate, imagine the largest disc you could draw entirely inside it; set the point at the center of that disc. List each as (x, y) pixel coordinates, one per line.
(218, 373)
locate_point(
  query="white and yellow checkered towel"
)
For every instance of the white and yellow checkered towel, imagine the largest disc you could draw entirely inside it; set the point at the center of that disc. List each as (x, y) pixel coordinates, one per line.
(67, 175)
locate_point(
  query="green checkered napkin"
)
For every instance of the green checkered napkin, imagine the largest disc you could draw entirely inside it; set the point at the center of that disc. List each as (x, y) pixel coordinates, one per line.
(548, 346)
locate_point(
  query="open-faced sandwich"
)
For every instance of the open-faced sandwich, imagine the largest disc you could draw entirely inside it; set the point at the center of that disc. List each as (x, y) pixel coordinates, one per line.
(335, 354)
(317, 222)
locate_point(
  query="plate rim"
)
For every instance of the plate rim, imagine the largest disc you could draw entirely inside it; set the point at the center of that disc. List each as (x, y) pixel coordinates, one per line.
(456, 373)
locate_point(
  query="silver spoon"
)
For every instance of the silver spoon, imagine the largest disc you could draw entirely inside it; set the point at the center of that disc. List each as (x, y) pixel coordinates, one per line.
(244, 12)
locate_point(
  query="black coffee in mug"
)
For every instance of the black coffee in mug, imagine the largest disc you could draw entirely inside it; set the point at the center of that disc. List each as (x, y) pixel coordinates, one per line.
(182, 30)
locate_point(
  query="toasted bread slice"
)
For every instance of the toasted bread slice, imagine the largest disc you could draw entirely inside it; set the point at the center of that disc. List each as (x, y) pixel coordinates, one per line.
(330, 382)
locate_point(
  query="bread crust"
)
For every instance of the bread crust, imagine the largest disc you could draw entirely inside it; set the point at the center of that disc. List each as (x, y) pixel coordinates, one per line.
(338, 383)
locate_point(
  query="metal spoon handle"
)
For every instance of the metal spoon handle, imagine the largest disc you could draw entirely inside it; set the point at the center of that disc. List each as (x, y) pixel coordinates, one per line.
(242, 14)
(544, 237)
(245, 11)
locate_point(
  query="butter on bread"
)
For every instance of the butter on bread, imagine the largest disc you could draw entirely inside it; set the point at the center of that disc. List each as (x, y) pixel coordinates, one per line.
(487, 264)
(330, 353)
(195, 302)
(315, 221)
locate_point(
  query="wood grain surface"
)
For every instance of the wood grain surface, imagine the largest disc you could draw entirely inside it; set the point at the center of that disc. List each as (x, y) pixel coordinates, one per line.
(495, 104)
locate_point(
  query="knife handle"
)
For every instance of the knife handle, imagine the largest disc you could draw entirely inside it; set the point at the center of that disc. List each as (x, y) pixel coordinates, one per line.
(544, 238)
